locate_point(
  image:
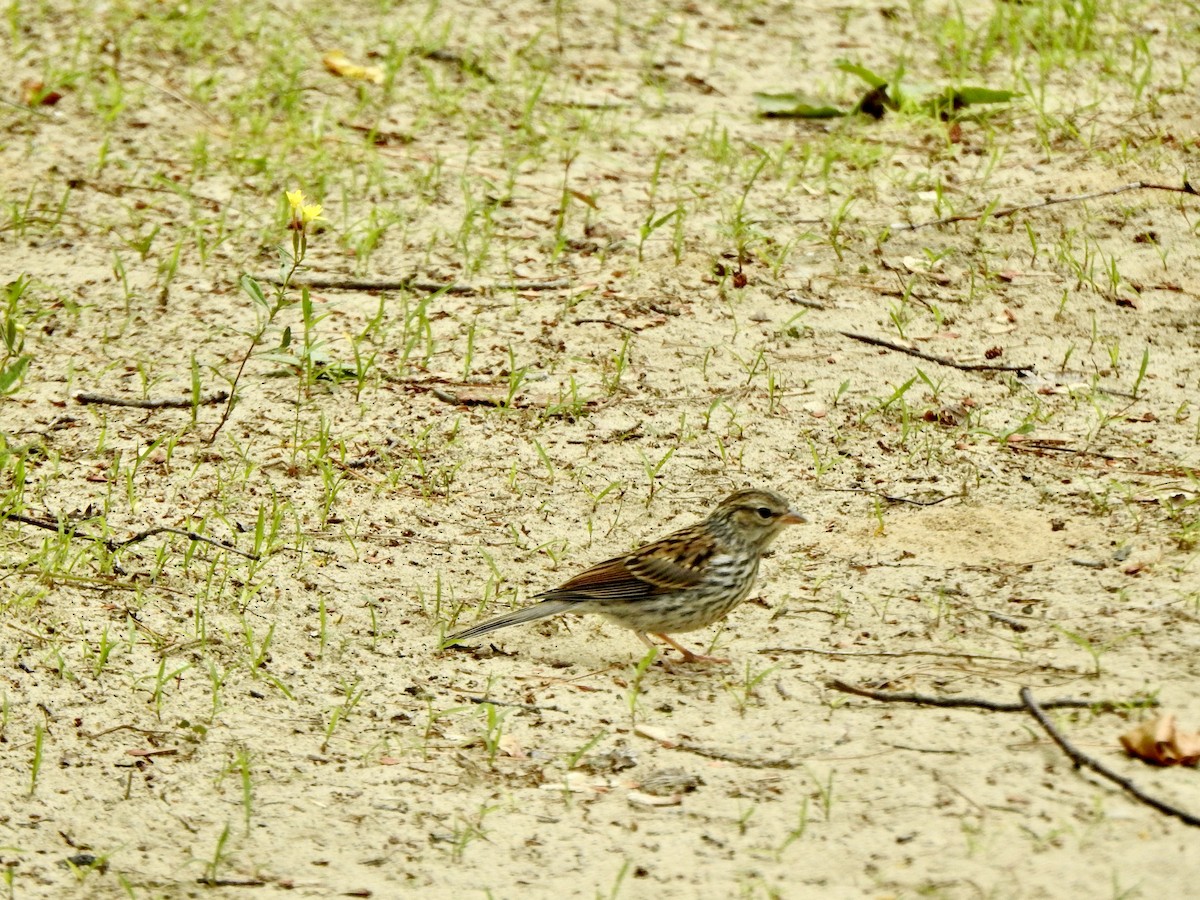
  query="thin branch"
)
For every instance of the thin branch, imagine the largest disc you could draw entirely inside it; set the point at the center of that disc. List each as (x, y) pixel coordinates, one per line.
(45, 524)
(100, 734)
(894, 499)
(1050, 201)
(1036, 446)
(896, 654)
(929, 357)
(608, 322)
(190, 535)
(412, 284)
(176, 403)
(528, 707)
(114, 544)
(1079, 758)
(973, 703)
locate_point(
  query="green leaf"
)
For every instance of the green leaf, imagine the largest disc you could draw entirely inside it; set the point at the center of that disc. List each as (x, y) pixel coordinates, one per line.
(861, 72)
(795, 106)
(250, 286)
(662, 220)
(949, 100)
(11, 376)
(969, 95)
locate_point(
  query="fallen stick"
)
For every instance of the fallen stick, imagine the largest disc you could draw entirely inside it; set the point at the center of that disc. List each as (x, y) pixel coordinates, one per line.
(1079, 758)
(929, 357)
(173, 403)
(113, 544)
(1186, 188)
(973, 702)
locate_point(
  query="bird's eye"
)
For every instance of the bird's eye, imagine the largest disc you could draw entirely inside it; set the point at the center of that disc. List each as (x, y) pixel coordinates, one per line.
(764, 512)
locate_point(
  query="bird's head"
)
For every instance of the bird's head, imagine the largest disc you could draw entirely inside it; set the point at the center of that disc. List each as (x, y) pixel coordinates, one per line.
(756, 516)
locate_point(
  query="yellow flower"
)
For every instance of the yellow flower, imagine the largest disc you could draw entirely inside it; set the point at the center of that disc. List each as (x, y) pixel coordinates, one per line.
(310, 213)
(295, 200)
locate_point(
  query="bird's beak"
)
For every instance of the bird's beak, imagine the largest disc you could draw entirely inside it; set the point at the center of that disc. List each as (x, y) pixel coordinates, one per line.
(791, 517)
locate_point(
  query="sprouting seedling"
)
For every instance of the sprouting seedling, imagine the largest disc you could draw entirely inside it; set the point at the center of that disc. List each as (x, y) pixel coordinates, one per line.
(653, 469)
(35, 766)
(1137, 382)
(836, 221)
(1094, 649)
(652, 224)
(213, 866)
(574, 757)
(12, 331)
(493, 731)
(794, 834)
(633, 695)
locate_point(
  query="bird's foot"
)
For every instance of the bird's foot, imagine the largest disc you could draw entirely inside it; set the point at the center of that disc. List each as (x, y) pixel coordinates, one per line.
(690, 656)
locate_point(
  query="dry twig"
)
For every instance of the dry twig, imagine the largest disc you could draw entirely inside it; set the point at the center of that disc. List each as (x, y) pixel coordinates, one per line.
(971, 702)
(1037, 710)
(528, 707)
(898, 654)
(113, 544)
(1186, 188)
(894, 499)
(412, 284)
(1079, 758)
(930, 357)
(173, 403)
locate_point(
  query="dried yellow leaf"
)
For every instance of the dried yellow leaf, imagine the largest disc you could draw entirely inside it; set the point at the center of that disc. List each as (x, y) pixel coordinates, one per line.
(337, 63)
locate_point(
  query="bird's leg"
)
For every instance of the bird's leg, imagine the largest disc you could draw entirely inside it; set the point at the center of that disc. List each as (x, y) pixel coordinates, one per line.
(688, 655)
(653, 646)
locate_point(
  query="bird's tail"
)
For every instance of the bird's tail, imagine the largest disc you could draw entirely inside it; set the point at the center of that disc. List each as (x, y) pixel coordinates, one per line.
(516, 617)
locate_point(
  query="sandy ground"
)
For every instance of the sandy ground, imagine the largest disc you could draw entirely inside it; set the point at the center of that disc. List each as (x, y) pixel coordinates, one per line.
(180, 720)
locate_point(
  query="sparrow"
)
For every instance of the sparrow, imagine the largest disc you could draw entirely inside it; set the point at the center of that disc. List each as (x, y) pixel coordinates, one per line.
(684, 581)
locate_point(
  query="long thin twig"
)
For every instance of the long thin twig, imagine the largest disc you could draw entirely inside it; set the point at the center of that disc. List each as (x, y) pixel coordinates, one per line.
(971, 702)
(528, 707)
(930, 357)
(1079, 758)
(190, 535)
(894, 499)
(412, 284)
(173, 403)
(114, 544)
(45, 524)
(1186, 188)
(608, 322)
(894, 654)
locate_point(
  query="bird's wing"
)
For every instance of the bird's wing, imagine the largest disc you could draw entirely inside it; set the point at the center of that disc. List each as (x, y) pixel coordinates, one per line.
(671, 564)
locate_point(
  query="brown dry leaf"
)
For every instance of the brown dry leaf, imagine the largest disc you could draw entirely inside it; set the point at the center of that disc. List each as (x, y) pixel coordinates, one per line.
(34, 93)
(474, 395)
(337, 63)
(1159, 742)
